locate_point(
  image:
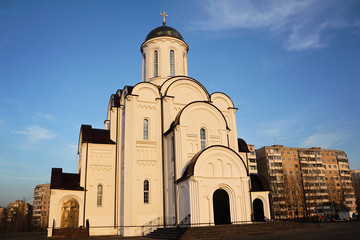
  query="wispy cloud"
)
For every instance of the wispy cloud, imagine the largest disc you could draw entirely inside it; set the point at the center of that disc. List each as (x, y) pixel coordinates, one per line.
(301, 24)
(324, 140)
(35, 134)
(46, 116)
(73, 147)
(22, 178)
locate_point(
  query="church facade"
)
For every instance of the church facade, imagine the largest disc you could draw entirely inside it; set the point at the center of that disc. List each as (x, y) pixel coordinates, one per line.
(169, 150)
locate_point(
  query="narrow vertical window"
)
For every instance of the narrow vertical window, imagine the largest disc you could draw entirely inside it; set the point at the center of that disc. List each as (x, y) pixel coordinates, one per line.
(146, 191)
(156, 64)
(146, 129)
(172, 63)
(99, 195)
(202, 138)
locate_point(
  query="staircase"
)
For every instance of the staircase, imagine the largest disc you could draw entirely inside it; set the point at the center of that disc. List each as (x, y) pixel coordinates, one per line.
(172, 232)
(70, 233)
(237, 231)
(167, 233)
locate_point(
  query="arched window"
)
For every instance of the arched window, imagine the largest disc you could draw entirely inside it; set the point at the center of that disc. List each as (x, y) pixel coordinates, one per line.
(202, 138)
(172, 63)
(99, 195)
(156, 63)
(146, 191)
(146, 129)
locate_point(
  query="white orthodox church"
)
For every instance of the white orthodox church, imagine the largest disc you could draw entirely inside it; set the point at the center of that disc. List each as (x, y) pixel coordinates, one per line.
(169, 149)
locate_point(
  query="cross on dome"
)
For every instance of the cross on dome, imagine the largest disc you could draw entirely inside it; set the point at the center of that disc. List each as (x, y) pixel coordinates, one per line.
(164, 15)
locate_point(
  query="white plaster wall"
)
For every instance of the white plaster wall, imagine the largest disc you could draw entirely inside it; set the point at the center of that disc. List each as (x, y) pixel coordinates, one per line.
(163, 45)
(264, 197)
(101, 163)
(57, 198)
(215, 168)
(201, 190)
(226, 106)
(141, 159)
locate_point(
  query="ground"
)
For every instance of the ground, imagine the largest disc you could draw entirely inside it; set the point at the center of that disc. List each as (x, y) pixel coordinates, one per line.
(328, 231)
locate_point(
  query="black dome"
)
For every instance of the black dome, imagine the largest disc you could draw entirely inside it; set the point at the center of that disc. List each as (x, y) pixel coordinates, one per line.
(164, 31)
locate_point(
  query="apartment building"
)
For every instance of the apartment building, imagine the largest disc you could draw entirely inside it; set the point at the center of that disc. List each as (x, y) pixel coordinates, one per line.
(355, 175)
(18, 216)
(41, 205)
(2, 219)
(252, 159)
(306, 181)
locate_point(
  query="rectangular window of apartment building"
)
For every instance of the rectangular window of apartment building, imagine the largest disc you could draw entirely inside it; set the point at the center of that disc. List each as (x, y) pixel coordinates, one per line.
(329, 166)
(296, 165)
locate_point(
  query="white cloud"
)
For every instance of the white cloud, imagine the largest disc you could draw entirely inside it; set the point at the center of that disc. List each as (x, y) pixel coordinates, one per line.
(324, 140)
(46, 116)
(36, 134)
(301, 24)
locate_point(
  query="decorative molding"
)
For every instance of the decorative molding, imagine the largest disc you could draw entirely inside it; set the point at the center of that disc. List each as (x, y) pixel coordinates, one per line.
(147, 163)
(100, 168)
(146, 106)
(146, 143)
(164, 39)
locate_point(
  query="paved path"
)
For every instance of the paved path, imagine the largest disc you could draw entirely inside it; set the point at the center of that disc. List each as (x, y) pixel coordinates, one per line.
(325, 231)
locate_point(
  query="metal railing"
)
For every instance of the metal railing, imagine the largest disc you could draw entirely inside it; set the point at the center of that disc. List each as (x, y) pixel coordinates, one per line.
(185, 223)
(151, 225)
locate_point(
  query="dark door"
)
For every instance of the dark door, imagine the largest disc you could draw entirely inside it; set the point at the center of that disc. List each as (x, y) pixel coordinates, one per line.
(258, 210)
(221, 207)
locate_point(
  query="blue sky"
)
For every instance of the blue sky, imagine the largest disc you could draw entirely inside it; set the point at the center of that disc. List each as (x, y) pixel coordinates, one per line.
(292, 69)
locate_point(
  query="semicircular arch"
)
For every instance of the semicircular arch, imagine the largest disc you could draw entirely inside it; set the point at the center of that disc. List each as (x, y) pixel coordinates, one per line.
(146, 91)
(222, 101)
(200, 107)
(185, 90)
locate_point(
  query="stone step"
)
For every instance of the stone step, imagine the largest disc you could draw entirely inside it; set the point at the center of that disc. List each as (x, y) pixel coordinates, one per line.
(166, 233)
(71, 233)
(235, 230)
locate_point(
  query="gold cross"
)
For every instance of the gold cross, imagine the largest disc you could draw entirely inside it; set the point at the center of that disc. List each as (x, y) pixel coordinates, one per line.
(163, 14)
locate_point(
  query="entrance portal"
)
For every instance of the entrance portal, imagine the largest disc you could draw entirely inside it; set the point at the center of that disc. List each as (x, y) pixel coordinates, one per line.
(70, 214)
(221, 207)
(258, 207)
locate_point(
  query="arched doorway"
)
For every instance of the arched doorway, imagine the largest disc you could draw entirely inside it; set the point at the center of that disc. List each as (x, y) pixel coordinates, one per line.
(221, 207)
(70, 214)
(258, 207)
